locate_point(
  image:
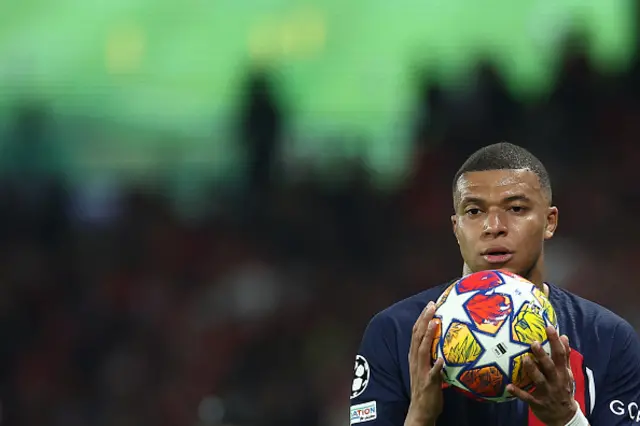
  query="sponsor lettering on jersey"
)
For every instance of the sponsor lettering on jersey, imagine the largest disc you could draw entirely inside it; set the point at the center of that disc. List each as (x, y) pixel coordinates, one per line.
(620, 408)
(363, 412)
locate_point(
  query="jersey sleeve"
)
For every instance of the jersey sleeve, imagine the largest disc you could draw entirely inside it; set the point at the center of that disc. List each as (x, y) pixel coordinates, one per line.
(619, 402)
(378, 397)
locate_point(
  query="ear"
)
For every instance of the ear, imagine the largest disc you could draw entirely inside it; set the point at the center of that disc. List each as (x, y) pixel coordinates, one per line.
(552, 223)
(454, 224)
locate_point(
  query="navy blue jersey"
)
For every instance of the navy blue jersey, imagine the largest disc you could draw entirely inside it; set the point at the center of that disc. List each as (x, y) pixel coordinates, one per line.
(605, 360)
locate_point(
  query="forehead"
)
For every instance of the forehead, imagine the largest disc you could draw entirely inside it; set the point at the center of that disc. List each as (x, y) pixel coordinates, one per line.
(499, 183)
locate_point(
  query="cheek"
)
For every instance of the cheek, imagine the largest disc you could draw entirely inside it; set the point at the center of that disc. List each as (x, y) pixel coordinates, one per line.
(467, 237)
(532, 237)
(532, 228)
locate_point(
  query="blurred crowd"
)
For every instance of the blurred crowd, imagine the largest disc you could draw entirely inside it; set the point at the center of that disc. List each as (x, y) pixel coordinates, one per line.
(115, 310)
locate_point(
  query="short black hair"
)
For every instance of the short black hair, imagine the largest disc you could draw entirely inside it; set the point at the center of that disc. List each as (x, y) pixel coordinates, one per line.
(505, 156)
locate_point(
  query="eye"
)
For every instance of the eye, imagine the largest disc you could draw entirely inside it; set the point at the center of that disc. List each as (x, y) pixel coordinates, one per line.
(518, 209)
(473, 211)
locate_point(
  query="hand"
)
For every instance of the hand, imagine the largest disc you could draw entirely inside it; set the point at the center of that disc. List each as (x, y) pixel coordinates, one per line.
(426, 380)
(552, 400)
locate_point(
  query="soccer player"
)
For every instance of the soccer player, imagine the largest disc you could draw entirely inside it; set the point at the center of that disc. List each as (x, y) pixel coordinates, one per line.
(503, 215)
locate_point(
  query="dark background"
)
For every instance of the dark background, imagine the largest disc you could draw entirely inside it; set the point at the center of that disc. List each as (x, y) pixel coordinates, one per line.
(117, 309)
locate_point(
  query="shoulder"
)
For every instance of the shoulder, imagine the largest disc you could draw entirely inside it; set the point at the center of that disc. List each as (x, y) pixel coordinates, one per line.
(583, 312)
(601, 331)
(388, 336)
(381, 370)
(404, 313)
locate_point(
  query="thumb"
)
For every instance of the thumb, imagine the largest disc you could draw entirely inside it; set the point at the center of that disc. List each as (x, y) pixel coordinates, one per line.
(436, 373)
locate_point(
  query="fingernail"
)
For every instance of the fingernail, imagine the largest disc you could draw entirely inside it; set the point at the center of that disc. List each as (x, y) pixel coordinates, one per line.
(431, 325)
(430, 305)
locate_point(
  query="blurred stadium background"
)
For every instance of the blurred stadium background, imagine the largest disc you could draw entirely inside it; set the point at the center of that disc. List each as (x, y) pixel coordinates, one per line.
(204, 202)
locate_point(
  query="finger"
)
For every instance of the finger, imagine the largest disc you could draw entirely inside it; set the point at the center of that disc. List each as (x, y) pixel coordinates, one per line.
(442, 375)
(523, 395)
(565, 342)
(419, 329)
(558, 352)
(534, 373)
(544, 362)
(424, 351)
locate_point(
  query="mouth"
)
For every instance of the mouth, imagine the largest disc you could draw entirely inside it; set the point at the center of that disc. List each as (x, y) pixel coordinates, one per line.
(497, 255)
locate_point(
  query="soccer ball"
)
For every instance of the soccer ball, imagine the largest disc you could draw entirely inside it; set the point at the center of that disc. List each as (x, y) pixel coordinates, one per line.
(486, 323)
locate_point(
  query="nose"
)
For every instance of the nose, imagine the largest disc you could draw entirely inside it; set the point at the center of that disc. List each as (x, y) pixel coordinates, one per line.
(495, 225)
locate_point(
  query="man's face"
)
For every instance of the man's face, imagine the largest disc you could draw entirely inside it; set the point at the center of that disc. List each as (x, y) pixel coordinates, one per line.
(501, 220)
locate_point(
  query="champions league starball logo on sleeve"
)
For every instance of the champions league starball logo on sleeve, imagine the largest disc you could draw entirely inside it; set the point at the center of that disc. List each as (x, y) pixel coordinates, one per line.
(361, 376)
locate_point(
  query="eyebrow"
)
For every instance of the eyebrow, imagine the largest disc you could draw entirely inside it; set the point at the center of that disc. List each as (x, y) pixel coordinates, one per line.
(518, 197)
(471, 200)
(509, 199)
